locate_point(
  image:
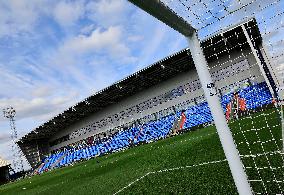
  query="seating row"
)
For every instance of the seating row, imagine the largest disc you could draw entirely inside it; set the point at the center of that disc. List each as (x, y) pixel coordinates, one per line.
(255, 96)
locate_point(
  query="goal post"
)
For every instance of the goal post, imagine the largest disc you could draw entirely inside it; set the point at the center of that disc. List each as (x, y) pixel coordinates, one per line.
(159, 10)
(224, 132)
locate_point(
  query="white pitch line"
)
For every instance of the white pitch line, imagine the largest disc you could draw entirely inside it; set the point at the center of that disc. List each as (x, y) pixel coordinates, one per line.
(166, 170)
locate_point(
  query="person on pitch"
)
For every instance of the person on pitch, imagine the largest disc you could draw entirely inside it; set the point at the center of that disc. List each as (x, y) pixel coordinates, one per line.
(236, 107)
(179, 123)
(182, 120)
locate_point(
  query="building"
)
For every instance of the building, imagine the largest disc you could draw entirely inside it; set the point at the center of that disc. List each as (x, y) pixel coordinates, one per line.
(163, 87)
(4, 171)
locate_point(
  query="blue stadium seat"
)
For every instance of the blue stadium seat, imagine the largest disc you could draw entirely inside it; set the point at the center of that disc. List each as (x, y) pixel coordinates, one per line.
(255, 96)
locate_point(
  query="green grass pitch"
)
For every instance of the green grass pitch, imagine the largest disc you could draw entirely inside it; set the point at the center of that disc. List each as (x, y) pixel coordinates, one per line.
(176, 165)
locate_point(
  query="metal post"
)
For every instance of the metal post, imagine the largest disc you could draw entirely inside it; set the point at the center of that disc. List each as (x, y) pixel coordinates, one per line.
(223, 130)
(282, 123)
(254, 52)
(271, 65)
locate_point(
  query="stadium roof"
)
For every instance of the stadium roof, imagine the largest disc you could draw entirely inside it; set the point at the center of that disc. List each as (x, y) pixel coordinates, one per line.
(155, 73)
(3, 163)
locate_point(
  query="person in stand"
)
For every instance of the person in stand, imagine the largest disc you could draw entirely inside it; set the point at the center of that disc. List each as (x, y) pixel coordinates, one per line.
(138, 134)
(131, 142)
(174, 128)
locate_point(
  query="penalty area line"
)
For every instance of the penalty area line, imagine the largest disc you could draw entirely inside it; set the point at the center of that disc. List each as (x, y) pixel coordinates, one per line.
(167, 170)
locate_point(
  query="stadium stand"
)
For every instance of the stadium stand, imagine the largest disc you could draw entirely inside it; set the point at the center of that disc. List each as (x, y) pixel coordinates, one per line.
(257, 95)
(143, 106)
(188, 88)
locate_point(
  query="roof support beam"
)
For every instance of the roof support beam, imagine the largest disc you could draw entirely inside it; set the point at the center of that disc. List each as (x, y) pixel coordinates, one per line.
(159, 10)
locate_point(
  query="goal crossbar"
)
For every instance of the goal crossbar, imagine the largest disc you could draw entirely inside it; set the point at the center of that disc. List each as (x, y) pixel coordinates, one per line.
(162, 12)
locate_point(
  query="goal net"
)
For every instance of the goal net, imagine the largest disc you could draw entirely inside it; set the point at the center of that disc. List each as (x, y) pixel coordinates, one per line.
(242, 43)
(246, 66)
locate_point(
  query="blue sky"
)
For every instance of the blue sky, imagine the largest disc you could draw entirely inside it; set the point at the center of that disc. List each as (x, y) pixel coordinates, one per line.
(56, 53)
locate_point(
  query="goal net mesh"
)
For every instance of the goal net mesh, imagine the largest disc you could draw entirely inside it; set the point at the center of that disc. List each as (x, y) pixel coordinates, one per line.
(254, 116)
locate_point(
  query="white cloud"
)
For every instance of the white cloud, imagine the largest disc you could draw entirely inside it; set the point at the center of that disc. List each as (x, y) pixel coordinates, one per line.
(43, 91)
(74, 58)
(94, 45)
(100, 41)
(135, 38)
(86, 30)
(38, 108)
(96, 41)
(107, 12)
(34, 99)
(5, 137)
(19, 16)
(67, 13)
(12, 84)
(156, 41)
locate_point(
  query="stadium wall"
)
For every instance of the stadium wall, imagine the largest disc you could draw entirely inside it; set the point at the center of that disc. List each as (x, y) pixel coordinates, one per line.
(226, 84)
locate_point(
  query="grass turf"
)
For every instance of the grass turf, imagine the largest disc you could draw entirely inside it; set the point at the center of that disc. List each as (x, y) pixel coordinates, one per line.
(119, 169)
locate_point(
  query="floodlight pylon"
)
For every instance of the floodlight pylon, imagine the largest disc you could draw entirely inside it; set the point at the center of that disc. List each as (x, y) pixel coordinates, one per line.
(282, 123)
(17, 161)
(159, 10)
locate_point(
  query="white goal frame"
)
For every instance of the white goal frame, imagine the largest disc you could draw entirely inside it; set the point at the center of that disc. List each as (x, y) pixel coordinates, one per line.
(160, 11)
